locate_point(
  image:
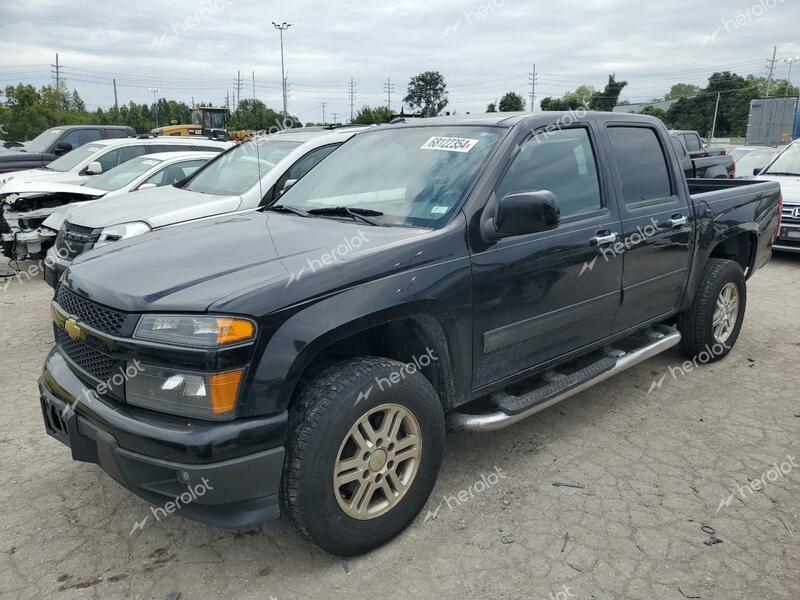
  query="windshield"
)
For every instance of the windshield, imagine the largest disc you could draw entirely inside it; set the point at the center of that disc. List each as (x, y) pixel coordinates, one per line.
(122, 175)
(753, 160)
(73, 158)
(43, 141)
(236, 171)
(787, 163)
(415, 176)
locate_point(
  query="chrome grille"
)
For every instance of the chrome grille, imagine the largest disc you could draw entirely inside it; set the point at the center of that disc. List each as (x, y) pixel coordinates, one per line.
(94, 315)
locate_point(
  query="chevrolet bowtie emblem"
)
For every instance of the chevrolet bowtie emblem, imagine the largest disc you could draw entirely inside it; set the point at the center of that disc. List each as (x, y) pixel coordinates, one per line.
(72, 328)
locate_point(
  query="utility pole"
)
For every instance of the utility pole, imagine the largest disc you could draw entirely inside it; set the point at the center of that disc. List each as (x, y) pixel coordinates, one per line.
(238, 96)
(714, 124)
(351, 92)
(323, 113)
(227, 101)
(116, 103)
(283, 27)
(790, 62)
(532, 77)
(771, 64)
(58, 74)
(155, 102)
(254, 91)
(335, 118)
(388, 87)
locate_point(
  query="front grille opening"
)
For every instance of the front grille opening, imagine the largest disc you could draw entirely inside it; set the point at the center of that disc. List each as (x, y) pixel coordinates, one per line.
(94, 315)
(94, 363)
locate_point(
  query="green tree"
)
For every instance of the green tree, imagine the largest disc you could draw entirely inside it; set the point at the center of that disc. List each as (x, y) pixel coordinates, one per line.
(655, 112)
(512, 102)
(492, 107)
(607, 99)
(682, 90)
(372, 116)
(427, 92)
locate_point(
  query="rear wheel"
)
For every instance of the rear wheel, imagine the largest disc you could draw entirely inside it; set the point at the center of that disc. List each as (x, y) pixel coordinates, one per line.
(711, 326)
(366, 444)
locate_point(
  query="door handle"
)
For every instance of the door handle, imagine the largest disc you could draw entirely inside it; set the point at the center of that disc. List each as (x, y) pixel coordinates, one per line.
(676, 221)
(603, 239)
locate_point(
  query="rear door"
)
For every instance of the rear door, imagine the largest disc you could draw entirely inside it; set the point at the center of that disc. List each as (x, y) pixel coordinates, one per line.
(542, 295)
(657, 223)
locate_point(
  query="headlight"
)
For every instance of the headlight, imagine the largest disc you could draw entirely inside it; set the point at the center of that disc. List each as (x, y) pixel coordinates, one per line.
(116, 233)
(210, 396)
(195, 331)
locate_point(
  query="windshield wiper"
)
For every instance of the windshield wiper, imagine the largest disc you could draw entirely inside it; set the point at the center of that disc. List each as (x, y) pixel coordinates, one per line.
(290, 209)
(362, 214)
(786, 173)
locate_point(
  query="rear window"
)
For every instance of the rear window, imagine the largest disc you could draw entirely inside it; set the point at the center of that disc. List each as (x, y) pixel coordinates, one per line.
(641, 164)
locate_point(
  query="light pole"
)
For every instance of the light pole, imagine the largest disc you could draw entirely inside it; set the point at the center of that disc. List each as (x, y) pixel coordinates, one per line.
(283, 27)
(790, 62)
(155, 102)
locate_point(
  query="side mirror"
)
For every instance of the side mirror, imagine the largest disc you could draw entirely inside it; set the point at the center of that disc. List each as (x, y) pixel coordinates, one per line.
(94, 168)
(289, 183)
(523, 213)
(147, 186)
(62, 148)
(756, 172)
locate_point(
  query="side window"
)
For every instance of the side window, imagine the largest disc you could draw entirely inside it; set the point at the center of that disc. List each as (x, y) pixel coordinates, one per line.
(79, 137)
(303, 166)
(641, 164)
(109, 160)
(114, 134)
(128, 152)
(174, 173)
(692, 142)
(168, 148)
(561, 162)
(680, 149)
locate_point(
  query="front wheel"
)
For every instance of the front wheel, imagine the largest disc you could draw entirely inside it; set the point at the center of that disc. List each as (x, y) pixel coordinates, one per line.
(366, 443)
(711, 326)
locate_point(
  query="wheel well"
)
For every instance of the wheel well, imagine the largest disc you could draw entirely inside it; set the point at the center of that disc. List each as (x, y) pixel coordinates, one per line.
(739, 248)
(406, 340)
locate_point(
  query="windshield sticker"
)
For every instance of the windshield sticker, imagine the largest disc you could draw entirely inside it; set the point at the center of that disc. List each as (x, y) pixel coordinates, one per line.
(56, 131)
(150, 162)
(450, 144)
(439, 210)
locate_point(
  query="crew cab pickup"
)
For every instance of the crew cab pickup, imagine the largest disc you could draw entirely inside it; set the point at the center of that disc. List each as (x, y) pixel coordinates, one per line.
(714, 166)
(305, 358)
(55, 142)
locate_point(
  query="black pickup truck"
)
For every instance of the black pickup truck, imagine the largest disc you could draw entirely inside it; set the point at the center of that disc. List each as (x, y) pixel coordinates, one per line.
(306, 357)
(55, 142)
(710, 166)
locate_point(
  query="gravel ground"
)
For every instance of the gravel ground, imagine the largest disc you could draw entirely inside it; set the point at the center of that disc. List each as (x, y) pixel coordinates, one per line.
(646, 470)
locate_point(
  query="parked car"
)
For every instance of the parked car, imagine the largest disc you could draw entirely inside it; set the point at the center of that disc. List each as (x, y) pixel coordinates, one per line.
(719, 166)
(785, 169)
(92, 159)
(246, 177)
(35, 211)
(755, 161)
(55, 142)
(302, 358)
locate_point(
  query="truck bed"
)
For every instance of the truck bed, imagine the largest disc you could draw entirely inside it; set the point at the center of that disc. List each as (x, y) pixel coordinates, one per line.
(712, 189)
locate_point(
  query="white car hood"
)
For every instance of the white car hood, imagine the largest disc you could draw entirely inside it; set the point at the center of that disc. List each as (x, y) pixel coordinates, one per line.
(46, 186)
(157, 207)
(41, 176)
(790, 186)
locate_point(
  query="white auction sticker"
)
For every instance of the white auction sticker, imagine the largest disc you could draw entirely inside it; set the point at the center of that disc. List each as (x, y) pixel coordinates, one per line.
(150, 162)
(450, 144)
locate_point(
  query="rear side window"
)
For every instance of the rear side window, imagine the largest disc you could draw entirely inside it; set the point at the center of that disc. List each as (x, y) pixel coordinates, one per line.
(680, 150)
(117, 133)
(641, 164)
(561, 162)
(169, 148)
(692, 142)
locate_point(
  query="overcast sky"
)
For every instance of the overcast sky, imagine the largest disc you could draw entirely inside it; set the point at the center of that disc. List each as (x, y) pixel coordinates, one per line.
(195, 48)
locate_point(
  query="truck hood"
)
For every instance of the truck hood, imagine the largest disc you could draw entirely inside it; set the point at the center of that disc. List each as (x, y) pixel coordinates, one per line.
(282, 258)
(44, 186)
(157, 207)
(790, 186)
(10, 155)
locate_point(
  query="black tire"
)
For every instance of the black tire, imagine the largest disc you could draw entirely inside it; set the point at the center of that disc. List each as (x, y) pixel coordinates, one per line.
(320, 419)
(696, 323)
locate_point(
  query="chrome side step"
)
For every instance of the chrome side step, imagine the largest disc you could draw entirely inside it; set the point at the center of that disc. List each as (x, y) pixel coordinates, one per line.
(660, 338)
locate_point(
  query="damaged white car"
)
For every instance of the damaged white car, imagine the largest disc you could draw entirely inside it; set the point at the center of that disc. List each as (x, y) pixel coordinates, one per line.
(32, 212)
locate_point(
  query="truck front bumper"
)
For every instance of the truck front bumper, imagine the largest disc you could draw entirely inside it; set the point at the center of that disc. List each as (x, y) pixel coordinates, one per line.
(54, 267)
(788, 238)
(226, 475)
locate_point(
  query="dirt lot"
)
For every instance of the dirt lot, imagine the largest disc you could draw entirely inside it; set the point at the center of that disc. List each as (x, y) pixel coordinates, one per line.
(646, 470)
